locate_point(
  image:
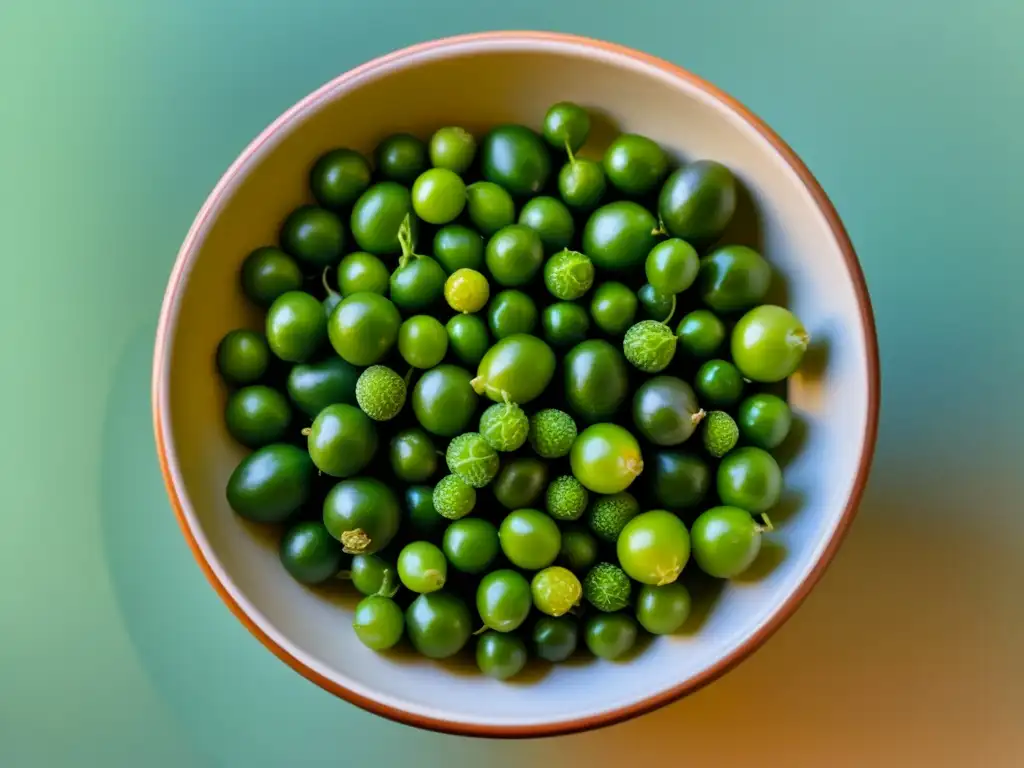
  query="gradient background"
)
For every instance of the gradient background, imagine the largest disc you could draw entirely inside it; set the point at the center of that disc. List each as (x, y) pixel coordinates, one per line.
(116, 119)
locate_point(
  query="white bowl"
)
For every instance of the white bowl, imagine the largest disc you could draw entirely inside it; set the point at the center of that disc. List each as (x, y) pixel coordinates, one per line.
(478, 81)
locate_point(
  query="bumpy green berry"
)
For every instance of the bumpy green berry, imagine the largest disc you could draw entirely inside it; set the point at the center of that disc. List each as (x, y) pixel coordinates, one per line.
(466, 290)
(470, 457)
(505, 426)
(453, 497)
(380, 392)
(568, 275)
(552, 433)
(607, 587)
(720, 433)
(650, 346)
(566, 498)
(609, 515)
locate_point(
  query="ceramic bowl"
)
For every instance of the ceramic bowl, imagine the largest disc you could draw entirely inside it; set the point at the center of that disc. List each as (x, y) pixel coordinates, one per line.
(477, 81)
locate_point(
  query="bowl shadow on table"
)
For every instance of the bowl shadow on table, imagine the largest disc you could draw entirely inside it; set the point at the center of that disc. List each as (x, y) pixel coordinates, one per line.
(859, 656)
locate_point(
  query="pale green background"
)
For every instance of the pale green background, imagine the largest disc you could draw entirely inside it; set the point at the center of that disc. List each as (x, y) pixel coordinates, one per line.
(117, 117)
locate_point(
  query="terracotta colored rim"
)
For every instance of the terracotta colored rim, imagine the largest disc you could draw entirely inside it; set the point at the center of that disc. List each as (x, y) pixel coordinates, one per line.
(782, 613)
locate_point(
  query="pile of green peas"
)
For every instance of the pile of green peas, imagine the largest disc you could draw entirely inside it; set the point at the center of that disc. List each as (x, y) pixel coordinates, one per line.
(509, 392)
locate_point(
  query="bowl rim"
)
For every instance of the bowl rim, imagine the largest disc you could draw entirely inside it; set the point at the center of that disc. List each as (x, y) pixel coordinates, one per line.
(166, 328)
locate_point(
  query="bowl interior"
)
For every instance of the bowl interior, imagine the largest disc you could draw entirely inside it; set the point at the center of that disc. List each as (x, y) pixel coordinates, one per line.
(478, 83)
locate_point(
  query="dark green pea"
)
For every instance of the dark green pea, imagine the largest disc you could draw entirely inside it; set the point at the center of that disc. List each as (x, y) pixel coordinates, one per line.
(701, 333)
(457, 247)
(579, 549)
(565, 324)
(566, 124)
(444, 401)
(363, 514)
(438, 624)
(371, 574)
(342, 440)
(401, 158)
(613, 308)
(490, 207)
(635, 164)
(581, 184)
(414, 456)
(765, 420)
(719, 382)
(471, 544)
(419, 504)
(339, 177)
(257, 415)
(554, 639)
(734, 278)
(271, 484)
(663, 610)
(296, 327)
(309, 553)
(242, 357)
(314, 386)
(363, 328)
(514, 255)
(268, 273)
(418, 284)
(520, 483)
(314, 236)
(665, 410)
(515, 157)
(698, 201)
(511, 312)
(500, 656)
(377, 216)
(678, 480)
(452, 148)
(467, 338)
(550, 219)
(596, 379)
(361, 271)
(610, 636)
(656, 305)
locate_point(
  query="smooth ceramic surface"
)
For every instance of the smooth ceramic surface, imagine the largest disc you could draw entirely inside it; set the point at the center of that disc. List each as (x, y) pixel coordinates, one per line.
(476, 82)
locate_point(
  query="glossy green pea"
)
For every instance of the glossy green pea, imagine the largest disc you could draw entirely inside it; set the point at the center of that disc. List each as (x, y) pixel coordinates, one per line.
(701, 333)
(362, 513)
(421, 514)
(613, 308)
(314, 236)
(500, 656)
(596, 379)
(581, 184)
(566, 125)
(313, 386)
(726, 541)
(453, 148)
(765, 420)
(342, 440)
(749, 478)
(467, 338)
(697, 201)
(295, 326)
(271, 484)
(511, 312)
(361, 271)
(377, 216)
(378, 622)
(555, 639)
(422, 567)
(457, 247)
(672, 266)
(363, 328)
(444, 401)
(565, 324)
(257, 415)
(515, 157)
(734, 278)
(309, 553)
(520, 482)
(413, 456)
(514, 255)
(438, 196)
(490, 207)
(371, 574)
(503, 600)
(438, 624)
(471, 544)
(610, 636)
(678, 480)
(618, 236)
(530, 539)
(550, 219)
(655, 304)
(422, 341)
(663, 610)
(635, 164)
(719, 383)
(418, 284)
(268, 273)
(606, 458)
(339, 177)
(401, 157)
(242, 357)
(518, 368)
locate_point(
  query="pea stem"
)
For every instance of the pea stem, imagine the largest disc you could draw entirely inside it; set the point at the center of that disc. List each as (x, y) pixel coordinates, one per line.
(660, 229)
(408, 376)
(698, 417)
(672, 311)
(327, 286)
(305, 432)
(387, 587)
(568, 151)
(767, 527)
